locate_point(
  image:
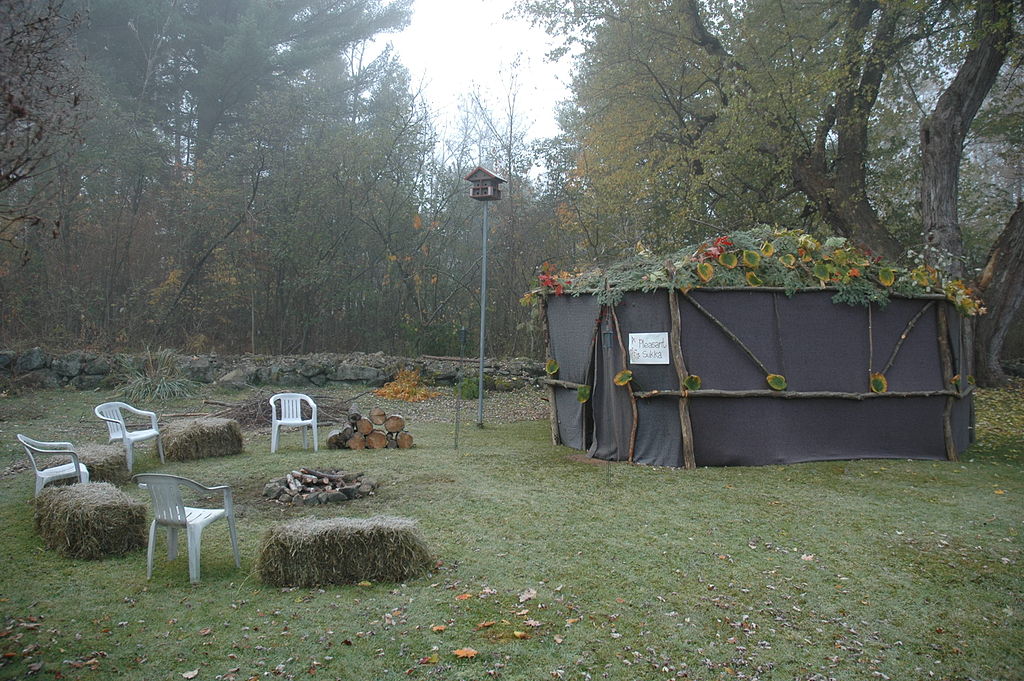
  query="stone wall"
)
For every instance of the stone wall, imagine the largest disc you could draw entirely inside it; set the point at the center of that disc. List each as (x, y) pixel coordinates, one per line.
(84, 370)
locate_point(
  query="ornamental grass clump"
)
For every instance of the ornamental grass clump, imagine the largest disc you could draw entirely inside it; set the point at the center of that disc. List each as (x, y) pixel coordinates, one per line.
(90, 520)
(202, 439)
(154, 376)
(311, 552)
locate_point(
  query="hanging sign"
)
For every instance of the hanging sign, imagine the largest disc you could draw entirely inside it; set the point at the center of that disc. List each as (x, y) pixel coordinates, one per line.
(648, 348)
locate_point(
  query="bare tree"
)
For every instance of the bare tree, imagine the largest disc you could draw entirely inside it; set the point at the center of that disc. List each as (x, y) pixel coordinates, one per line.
(40, 103)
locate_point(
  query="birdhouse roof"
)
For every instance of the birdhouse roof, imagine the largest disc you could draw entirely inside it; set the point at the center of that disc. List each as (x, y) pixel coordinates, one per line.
(481, 173)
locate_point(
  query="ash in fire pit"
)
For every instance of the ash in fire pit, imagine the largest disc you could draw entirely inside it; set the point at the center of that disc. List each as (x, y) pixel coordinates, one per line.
(311, 487)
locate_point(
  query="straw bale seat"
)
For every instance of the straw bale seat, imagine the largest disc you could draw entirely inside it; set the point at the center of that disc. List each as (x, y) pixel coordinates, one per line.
(90, 520)
(106, 463)
(202, 438)
(311, 552)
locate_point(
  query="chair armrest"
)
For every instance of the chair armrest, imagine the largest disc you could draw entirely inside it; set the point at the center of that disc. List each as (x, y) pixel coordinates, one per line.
(224, 489)
(59, 448)
(143, 412)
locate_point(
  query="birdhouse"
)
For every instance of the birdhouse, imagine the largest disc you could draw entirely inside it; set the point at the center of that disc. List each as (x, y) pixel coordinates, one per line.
(486, 185)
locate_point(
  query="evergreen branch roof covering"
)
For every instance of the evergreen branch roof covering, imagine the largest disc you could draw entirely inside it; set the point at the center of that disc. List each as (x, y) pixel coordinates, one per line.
(763, 257)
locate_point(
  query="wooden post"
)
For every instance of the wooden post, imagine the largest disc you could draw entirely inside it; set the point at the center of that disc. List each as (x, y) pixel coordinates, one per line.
(675, 340)
(629, 387)
(946, 354)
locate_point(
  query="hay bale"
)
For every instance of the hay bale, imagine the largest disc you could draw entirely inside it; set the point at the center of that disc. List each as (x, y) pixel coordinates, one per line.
(311, 552)
(202, 439)
(90, 520)
(106, 463)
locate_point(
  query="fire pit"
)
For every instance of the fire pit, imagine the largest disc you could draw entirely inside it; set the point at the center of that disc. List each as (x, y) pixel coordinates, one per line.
(311, 487)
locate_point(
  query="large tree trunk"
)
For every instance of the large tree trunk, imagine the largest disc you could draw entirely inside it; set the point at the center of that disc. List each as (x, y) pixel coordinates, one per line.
(942, 142)
(943, 133)
(838, 186)
(1001, 286)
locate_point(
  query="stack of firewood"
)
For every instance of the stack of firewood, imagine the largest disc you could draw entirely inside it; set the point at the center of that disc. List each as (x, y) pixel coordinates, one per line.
(376, 430)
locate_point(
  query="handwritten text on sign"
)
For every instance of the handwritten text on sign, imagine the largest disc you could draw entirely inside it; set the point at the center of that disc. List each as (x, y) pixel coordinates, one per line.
(648, 348)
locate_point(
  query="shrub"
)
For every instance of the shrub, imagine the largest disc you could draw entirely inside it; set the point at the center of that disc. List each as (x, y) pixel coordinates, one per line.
(154, 376)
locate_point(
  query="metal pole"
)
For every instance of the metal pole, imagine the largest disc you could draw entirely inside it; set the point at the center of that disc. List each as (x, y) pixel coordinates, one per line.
(458, 384)
(483, 327)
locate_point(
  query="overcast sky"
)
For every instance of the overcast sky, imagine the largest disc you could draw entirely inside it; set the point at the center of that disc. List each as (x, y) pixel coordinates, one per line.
(452, 44)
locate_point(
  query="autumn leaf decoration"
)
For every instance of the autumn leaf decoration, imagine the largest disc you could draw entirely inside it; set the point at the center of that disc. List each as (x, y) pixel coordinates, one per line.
(692, 382)
(878, 383)
(776, 381)
(623, 377)
(582, 393)
(551, 367)
(705, 271)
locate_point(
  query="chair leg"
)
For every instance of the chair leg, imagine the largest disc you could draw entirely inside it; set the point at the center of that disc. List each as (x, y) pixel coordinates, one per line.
(39, 485)
(275, 431)
(313, 427)
(129, 454)
(234, 540)
(84, 473)
(150, 550)
(195, 541)
(304, 445)
(172, 543)
(160, 447)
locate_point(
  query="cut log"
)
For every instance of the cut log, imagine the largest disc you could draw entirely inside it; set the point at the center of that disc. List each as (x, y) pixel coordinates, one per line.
(377, 416)
(354, 416)
(376, 440)
(357, 441)
(392, 443)
(364, 426)
(404, 440)
(394, 424)
(336, 439)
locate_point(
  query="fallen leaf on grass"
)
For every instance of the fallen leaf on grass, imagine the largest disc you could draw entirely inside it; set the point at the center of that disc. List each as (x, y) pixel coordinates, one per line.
(438, 628)
(205, 631)
(365, 583)
(190, 674)
(532, 623)
(430, 659)
(558, 639)
(527, 595)
(463, 597)
(484, 625)
(465, 652)
(520, 634)
(1000, 491)
(572, 620)
(807, 557)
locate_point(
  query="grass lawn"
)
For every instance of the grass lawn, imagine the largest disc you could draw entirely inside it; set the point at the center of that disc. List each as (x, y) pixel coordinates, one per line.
(550, 567)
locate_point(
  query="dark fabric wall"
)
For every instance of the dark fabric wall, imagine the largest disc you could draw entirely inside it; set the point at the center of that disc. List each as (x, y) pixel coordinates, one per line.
(571, 328)
(816, 344)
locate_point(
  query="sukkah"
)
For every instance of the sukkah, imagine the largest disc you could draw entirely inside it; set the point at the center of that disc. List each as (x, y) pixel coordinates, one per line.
(760, 347)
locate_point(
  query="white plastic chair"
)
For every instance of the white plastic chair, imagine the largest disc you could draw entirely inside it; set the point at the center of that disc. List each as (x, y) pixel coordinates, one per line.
(290, 407)
(75, 469)
(110, 412)
(170, 511)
